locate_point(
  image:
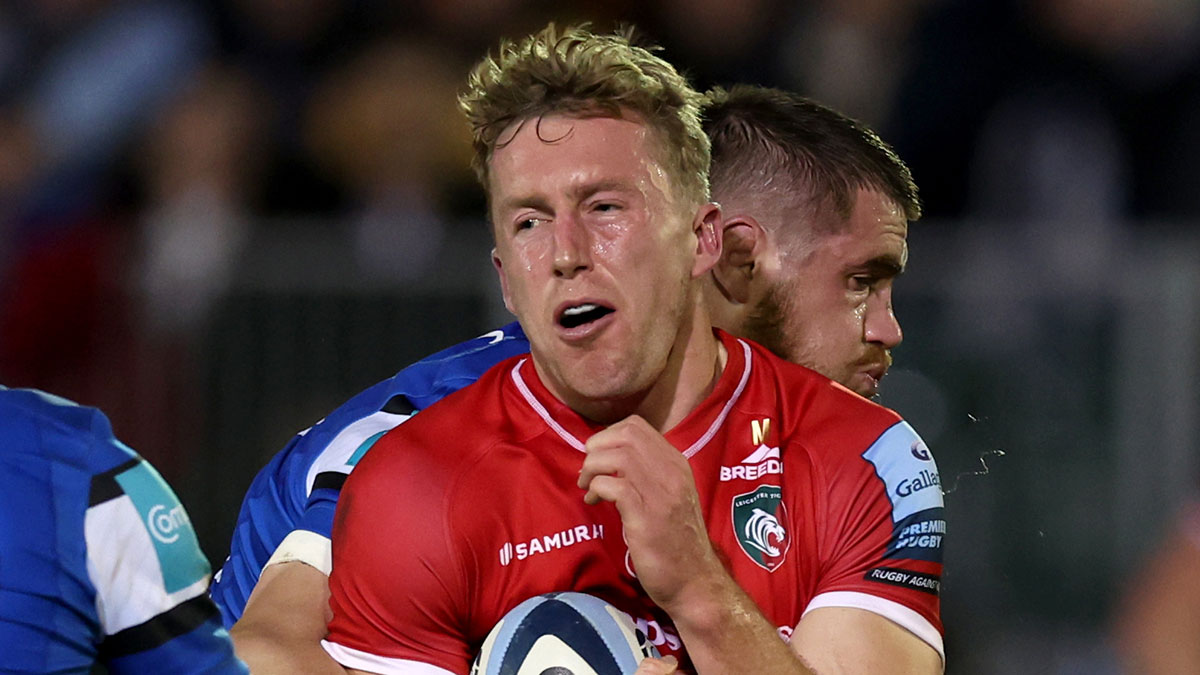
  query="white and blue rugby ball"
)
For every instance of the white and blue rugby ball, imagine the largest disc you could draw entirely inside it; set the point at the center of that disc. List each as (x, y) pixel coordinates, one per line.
(563, 634)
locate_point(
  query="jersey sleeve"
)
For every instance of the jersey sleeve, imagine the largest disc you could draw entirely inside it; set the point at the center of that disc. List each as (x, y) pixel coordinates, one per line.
(150, 579)
(309, 542)
(883, 537)
(398, 590)
(287, 513)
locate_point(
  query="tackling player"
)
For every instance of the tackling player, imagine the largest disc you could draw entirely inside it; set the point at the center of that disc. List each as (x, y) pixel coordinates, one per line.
(816, 216)
(98, 561)
(596, 170)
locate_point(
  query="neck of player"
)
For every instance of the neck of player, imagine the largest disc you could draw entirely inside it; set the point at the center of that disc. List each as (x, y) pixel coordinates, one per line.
(693, 368)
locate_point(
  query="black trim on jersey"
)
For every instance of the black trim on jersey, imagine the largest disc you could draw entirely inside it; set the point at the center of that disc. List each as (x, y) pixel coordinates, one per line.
(105, 486)
(399, 405)
(183, 618)
(330, 480)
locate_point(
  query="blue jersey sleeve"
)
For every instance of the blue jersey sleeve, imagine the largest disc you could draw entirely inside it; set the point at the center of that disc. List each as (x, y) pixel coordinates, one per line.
(299, 488)
(100, 562)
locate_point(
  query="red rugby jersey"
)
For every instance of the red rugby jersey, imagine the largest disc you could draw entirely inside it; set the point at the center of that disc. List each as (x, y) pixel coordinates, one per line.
(813, 497)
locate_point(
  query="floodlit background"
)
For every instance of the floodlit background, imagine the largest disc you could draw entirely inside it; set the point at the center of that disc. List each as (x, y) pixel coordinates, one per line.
(219, 220)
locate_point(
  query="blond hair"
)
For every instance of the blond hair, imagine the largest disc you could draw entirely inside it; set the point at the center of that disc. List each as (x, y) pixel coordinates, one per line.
(577, 72)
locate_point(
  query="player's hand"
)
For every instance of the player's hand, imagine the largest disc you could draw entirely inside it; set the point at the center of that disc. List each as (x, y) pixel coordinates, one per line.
(651, 484)
(664, 666)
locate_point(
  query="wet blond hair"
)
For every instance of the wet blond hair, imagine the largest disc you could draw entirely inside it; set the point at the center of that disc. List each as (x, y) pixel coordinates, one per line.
(578, 72)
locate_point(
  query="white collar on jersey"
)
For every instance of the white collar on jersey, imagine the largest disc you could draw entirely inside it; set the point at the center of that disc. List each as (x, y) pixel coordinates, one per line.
(574, 442)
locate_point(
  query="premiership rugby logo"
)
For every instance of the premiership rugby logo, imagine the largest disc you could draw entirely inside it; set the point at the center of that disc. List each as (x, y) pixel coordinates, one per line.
(759, 519)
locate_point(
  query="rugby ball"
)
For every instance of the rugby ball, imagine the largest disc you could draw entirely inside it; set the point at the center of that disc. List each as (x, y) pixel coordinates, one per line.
(563, 634)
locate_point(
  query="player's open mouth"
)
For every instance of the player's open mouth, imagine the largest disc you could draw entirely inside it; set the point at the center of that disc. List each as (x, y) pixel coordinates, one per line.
(582, 314)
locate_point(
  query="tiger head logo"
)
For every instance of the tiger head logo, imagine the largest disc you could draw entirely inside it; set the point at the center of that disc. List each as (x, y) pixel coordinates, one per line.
(763, 532)
(760, 523)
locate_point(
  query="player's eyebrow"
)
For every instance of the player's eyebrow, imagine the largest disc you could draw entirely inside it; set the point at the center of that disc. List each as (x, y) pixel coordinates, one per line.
(883, 266)
(517, 203)
(586, 190)
(579, 193)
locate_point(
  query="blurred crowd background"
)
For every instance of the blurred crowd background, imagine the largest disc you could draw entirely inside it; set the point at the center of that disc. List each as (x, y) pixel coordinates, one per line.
(221, 218)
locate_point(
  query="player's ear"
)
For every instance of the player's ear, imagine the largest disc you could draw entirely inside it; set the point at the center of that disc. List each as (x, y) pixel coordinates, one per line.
(742, 241)
(706, 226)
(499, 265)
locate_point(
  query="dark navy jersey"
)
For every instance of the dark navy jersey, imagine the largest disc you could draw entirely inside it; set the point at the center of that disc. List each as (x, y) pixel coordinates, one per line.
(293, 497)
(98, 560)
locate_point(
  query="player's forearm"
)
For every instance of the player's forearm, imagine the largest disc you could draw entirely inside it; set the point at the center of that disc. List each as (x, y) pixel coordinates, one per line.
(267, 652)
(284, 622)
(724, 632)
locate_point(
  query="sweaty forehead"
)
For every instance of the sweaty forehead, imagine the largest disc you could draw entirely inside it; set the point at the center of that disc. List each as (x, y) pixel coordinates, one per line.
(876, 216)
(557, 152)
(875, 234)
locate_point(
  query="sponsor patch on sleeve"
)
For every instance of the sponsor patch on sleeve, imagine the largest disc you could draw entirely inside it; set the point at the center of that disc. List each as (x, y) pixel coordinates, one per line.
(914, 488)
(918, 581)
(168, 525)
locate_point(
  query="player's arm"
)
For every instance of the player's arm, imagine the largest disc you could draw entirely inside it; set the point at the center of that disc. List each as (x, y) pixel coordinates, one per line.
(1158, 628)
(285, 620)
(851, 640)
(398, 587)
(651, 483)
(877, 603)
(285, 617)
(151, 579)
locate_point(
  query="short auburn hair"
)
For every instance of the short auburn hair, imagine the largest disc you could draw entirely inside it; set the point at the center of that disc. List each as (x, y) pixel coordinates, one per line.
(761, 135)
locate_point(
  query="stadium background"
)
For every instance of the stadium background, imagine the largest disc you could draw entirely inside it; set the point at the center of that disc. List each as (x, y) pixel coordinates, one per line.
(220, 219)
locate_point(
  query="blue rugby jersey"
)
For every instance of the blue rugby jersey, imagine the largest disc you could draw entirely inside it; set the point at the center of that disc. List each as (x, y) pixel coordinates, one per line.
(98, 560)
(298, 489)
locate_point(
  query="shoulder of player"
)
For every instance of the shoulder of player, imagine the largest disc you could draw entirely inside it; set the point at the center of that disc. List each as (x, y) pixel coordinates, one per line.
(33, 408)
(338, 443)
(59, 430)
(417, 387)
(880, 443)
(449, 370)
(818, 400)
(824, 416)
(481, 352)
(842, 425)
(462, 423)
(331, 443)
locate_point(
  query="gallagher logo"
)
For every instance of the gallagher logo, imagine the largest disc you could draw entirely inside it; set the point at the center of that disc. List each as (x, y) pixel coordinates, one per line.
(924, 479)
(759, 519)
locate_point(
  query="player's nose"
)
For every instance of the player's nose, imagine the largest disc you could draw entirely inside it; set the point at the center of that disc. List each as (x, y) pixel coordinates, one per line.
(881, 325)
(572, 252)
